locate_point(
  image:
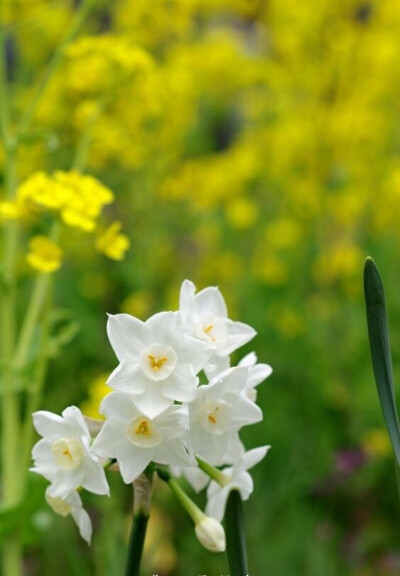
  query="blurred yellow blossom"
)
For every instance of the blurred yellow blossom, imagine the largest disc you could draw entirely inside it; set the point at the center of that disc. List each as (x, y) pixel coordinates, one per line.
(79, 198)
(376, 443)
(44, 255)
(10, 210)
(242, 212)
(97, 63)
(112, 243)
(98, 389)
(138, 304)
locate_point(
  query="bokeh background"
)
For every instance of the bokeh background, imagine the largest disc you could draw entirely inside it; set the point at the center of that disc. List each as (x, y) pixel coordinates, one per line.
(253, 145)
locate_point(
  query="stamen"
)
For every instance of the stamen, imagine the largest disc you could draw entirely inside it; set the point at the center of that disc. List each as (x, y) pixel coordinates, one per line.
(143, 428)
(156, 363)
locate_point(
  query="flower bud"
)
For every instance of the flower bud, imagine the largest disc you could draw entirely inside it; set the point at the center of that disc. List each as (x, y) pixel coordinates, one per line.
(211, 534)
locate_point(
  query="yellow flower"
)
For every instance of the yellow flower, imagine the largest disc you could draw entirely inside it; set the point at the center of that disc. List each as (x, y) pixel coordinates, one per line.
(40, 189)
(44, 254)
(242, 212)
(112, 243)
(98, 389)
(10, 211)
(376, 443)
(78, 198)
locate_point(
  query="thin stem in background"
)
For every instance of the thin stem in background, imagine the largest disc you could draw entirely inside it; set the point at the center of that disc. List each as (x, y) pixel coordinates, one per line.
(11, 549)
(54, 63)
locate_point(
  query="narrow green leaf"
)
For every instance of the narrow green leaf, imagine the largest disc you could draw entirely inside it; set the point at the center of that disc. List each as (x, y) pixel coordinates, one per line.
(236, 535)
(378, 331)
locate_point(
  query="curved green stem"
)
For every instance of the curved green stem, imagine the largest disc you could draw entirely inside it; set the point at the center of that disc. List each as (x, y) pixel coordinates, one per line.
(212, 472)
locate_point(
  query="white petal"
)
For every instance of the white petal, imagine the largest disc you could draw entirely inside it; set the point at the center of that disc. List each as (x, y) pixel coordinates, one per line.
(187, 298)
(107, 442)
(127, 335)
(246, 412)
(83, 522)
(210, 300)
(194, 352)
(217, 502)
(196, 478)
(174, 421)
(64, 483)
(244, 483)
(119, 409)
(181, 385)
(133, 461)
(165, 328)
(172, 453)
(152, 402)
(48, 424)
(252, 457)
(216, 365)
(42, 455)
(258, 374)
(239, 334)
(75, 420)
(94, 477)
(128, 376)
(248, 360)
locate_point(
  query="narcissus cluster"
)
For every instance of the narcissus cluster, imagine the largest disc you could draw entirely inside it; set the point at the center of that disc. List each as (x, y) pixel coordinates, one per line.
(176, 401)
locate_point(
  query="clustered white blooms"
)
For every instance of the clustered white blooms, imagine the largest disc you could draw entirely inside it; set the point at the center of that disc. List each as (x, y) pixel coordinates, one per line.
(159, 412)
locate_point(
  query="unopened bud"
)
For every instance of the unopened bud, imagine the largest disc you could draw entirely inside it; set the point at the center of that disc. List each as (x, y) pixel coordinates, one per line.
(211, 534)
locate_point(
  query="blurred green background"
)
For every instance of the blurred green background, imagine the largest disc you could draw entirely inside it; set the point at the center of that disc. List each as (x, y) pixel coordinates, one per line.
(253, 145)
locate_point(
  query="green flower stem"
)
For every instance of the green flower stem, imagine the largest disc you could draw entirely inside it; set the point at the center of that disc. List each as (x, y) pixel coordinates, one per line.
(75, 25)
(35, 389)
(84, 143)
(235, 535)
(141, 512)
(212, 472)
(194, 511)
(11, 548)
(35, 306)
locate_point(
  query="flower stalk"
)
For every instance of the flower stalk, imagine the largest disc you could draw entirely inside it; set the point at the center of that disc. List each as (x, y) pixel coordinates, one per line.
(141, 513)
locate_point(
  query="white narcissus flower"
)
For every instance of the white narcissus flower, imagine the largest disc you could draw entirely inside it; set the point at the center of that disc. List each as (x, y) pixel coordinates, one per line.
(159, 363)
(63, 456)
(220, 409)
(71, 504)
(257, 374)
(237, 478)
(204, 316)
(135, 439)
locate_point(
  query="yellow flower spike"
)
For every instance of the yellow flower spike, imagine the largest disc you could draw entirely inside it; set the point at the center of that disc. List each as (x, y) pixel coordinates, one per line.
(112, 243)
(44, 255)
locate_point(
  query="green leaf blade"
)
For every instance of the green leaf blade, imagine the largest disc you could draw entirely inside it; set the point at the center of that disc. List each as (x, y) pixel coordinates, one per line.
(378, 331)
(235, 535)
